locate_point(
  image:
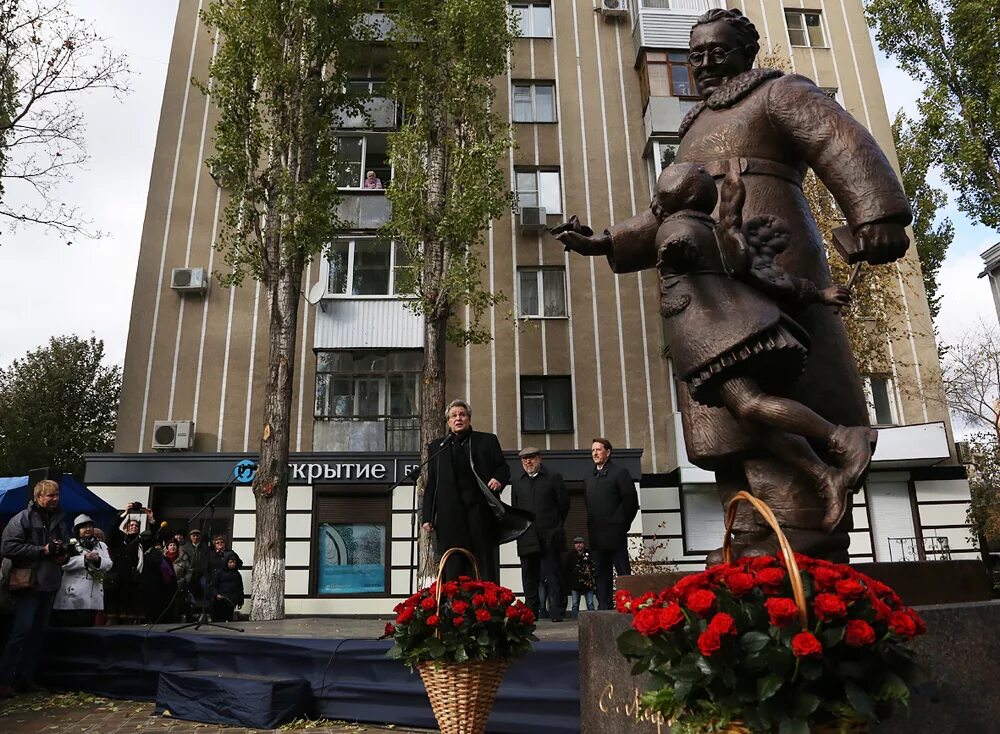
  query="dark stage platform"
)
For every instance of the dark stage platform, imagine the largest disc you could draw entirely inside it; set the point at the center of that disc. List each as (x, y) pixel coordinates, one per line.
(341, 659)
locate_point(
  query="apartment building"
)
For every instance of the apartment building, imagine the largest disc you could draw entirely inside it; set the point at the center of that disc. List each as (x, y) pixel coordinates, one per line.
(595, 97)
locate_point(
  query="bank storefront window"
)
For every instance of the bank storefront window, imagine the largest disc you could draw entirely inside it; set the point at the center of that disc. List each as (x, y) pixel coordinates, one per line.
(352, 542)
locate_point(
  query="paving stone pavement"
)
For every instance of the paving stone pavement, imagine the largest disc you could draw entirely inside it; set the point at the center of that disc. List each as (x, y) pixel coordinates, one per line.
(61, 713)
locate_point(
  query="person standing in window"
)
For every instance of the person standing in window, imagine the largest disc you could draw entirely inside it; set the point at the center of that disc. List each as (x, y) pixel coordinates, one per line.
(372, 181)
(542, 493)
(612, 504)
(465, 465)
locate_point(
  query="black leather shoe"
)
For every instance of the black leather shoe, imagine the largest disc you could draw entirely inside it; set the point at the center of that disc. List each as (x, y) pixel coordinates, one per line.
(557, 619)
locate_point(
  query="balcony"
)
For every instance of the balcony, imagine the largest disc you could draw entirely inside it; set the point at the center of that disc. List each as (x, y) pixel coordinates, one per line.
(367, 323)
(666, 23)
(380, 114)
(361, 209)
(374, 433)
(663, 115)
(381, 25)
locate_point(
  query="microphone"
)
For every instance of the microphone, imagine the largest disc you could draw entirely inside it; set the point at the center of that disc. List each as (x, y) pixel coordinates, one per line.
(446, 440)
(162, 530)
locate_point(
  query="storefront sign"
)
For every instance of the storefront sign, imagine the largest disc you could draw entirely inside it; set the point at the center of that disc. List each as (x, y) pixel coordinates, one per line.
(364, 471)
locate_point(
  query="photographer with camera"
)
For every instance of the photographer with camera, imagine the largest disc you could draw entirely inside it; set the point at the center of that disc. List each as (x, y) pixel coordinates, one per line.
(82, 594)
(128, 546)
(36, 542)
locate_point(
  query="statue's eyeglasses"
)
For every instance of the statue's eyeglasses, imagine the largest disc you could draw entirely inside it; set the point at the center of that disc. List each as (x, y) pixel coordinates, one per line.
(718, 55)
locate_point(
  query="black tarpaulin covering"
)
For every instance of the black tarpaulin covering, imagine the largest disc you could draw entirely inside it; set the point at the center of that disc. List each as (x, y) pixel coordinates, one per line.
(350, 679)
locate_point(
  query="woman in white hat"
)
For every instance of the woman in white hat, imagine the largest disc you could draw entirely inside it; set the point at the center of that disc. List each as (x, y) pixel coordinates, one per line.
(81, 595)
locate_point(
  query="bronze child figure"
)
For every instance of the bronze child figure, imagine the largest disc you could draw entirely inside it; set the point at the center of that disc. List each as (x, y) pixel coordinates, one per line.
(731, 343)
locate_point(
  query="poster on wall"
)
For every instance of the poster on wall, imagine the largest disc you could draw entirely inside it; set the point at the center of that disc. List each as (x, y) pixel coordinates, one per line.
(351, 558)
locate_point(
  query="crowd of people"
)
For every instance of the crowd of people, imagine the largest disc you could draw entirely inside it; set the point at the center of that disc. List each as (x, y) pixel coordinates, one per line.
(83, 577)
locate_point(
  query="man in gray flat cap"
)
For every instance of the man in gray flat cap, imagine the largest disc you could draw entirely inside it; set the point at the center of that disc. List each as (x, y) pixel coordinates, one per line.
(543, 493)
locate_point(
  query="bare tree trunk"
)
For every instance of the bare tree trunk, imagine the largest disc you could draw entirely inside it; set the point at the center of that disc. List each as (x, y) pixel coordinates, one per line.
(270, 485)
(434, 385)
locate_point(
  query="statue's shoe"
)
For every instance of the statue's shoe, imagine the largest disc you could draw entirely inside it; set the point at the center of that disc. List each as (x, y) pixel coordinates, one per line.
(851, 448)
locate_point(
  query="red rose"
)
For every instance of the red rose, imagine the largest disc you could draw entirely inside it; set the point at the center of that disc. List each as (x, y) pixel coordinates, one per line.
(450, 588)
(404, 616)
(506, 595)
(389, 630)
(740, 583)
(458, 621)
(433, 620)
(527, 616)
(859, 633)
(512, 612)
(723, 624)
(761, 562)
(670, 616)
(828, 607)
(701, 602)
(902, 624)
(917, 621)
(771, 579)
(491, 598)
(709, 642)
(850, 589)
(782, 611)
(825, 578)
(881, 609)
(483, 615)
(478, 600)
(623, 598)
(805, 645)
(465, 578)
(428, 603)
(647, 621)
(459, 607)
(688, 583)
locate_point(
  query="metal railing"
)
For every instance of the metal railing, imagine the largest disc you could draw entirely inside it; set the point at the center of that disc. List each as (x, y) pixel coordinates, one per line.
(367, 433)
(928, 548)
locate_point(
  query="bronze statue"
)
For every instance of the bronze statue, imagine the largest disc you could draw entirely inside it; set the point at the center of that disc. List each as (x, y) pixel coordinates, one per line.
(769, 128)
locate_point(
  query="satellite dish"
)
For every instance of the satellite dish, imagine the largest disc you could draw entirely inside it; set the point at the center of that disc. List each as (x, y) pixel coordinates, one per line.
(316, 293)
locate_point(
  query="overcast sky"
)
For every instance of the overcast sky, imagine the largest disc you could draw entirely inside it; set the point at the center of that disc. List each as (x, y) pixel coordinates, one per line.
(48, 289)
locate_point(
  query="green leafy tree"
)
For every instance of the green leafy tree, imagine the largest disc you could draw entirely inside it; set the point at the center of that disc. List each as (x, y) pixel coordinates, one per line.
(447, 184)
(279, 77)
(951, 47)
(983, 514)
(57, 403)
(915, 146)
(49, 56)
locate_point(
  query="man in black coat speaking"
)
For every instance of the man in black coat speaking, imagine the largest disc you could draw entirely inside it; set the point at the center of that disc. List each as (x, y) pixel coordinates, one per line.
(467, 464)
(542, 493)
(612, 504)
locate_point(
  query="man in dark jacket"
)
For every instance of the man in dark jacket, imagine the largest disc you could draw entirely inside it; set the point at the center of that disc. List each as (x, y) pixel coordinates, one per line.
(542, 493)
(36, 539)
(467, 464)
(196, 553)
(226, 591)
(612, 504)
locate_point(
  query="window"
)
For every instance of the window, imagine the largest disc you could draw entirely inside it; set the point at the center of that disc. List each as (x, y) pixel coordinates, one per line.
(368, 383)
(667, 74)
(534, 19)
(359, 154)
(365, 266)
(351, 555)
(546, 404)
(534, 102)
(542, 292)
(804, 28)
(879, 394)
(539, 188)
(661, 154)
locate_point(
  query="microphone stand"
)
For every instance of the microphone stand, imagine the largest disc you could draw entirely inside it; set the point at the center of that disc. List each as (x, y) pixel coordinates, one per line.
(203, 620)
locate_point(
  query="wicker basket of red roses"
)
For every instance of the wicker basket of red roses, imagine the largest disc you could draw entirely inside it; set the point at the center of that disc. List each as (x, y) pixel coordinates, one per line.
(461, 636)
(784, 643)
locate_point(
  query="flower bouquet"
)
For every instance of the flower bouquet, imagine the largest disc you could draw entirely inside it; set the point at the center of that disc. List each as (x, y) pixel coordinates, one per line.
(461, 635)
(784, 644)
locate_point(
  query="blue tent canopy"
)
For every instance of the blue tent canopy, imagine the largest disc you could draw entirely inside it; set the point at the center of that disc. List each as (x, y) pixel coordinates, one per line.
(74, 498)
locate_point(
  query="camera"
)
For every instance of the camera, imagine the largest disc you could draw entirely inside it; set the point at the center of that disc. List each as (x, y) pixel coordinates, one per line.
(56, 547)
(135, 507)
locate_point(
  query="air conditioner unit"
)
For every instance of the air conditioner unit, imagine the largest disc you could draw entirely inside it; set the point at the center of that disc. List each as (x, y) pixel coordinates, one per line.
(173, 435)
(614, 8)
(189, 280)
(532, 218)
(964, 452)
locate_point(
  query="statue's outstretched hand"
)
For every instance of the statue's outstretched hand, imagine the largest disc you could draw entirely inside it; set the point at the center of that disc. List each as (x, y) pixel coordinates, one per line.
(580, 238)
(882, 242)
(838, 295)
